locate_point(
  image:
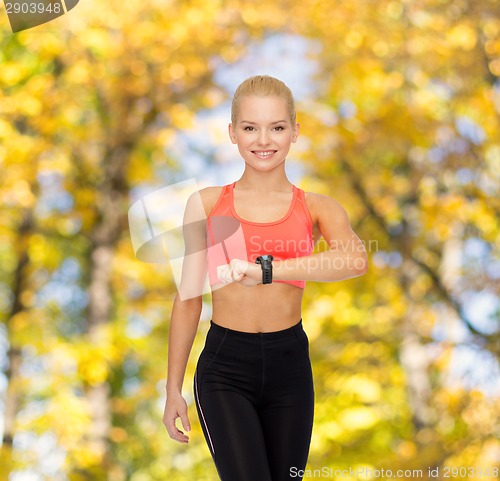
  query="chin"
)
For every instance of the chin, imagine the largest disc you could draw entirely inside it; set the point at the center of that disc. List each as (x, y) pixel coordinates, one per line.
(263, 168)
(263, 164)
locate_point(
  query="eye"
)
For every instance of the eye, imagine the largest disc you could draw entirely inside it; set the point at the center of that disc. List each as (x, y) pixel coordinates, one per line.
(279, 128)
(248, 128)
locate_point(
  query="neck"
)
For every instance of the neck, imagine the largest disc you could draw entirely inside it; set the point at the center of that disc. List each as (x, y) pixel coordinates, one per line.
(264, 181)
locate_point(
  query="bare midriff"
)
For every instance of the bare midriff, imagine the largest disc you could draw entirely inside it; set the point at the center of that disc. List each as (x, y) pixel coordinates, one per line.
(261, 308)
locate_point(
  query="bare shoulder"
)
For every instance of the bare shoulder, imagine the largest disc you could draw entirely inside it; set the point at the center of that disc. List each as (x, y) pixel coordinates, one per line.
(322, 206)
(209, 197)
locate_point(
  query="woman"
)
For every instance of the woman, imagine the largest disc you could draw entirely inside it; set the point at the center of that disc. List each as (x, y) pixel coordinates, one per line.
(253, 384)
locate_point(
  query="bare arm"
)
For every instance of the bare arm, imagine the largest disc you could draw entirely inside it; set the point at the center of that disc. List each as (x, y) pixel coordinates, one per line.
(345, 257)
(183, 326)
(185, 316)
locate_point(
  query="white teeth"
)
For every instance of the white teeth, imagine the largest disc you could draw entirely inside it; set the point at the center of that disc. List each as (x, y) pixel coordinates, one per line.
(265, 154)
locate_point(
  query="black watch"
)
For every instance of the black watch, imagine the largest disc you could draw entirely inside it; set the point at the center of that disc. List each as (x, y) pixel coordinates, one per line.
(266, 263)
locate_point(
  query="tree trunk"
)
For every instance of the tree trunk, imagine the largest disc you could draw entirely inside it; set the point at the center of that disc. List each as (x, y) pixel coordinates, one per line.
(14, 395)
(112, 204)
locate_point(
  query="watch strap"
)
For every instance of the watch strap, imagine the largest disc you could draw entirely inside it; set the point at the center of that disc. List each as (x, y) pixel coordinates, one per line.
(266, 264)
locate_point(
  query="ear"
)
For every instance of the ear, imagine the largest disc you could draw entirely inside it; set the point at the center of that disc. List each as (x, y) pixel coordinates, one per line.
(232, 134)
(295, 132)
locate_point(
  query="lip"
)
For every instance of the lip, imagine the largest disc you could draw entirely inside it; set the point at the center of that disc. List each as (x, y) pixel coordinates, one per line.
(264, 154)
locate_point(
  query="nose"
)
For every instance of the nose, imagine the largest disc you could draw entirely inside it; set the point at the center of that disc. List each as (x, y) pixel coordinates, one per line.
(264, 137)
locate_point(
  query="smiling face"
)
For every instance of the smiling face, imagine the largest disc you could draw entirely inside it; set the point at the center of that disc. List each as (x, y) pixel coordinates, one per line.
(263, 131)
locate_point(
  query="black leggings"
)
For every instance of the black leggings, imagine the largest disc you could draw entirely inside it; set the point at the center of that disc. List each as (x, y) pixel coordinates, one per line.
(254, 395)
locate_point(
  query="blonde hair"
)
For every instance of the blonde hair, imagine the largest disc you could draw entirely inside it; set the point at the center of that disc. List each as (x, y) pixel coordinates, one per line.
(262, 86)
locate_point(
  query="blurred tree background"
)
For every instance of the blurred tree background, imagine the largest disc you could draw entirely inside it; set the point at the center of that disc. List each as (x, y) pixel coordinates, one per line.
(401, 126)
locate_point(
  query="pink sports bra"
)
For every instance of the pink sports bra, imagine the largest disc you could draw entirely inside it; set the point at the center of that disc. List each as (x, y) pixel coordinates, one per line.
(231, 237)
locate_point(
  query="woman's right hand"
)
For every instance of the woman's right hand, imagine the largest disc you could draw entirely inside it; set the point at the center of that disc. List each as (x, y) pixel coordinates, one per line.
(176, 407)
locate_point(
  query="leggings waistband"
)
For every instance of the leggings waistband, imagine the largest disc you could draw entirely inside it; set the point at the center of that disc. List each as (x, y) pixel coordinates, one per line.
(272, 335)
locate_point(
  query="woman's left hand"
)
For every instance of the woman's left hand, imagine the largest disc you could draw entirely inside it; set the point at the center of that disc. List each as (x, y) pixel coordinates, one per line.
(240, 271)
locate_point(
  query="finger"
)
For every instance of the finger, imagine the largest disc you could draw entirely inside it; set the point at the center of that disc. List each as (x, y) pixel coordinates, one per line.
(230, 273)
(185, 422)
(219, 271)
(174, 432)
(226, 275)
(239, 269)
(222, 273)
(239, 275)
(181, 437)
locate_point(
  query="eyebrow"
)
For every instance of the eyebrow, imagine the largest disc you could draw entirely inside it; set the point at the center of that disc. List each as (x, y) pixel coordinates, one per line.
(254, 123)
